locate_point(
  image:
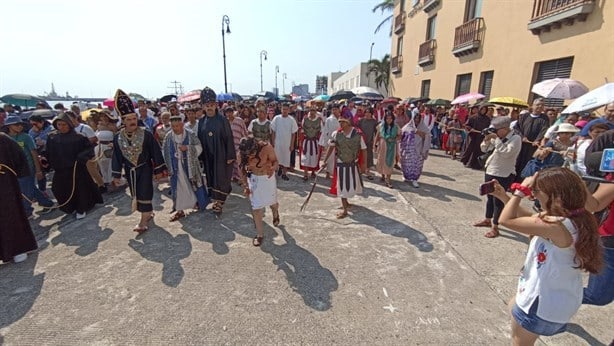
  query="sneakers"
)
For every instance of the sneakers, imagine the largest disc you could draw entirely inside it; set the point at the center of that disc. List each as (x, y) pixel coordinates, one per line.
(81, 215)
(20, 258)
(415, 184)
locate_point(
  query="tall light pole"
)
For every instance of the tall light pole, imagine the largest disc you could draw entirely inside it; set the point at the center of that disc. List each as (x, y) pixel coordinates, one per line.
(225, 20)
(283, 82)
(262, 53)
(370, 58)
(276, 72)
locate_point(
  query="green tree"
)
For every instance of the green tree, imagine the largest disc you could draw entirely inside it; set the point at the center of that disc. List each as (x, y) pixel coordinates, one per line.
(381, 70)
(386, 6)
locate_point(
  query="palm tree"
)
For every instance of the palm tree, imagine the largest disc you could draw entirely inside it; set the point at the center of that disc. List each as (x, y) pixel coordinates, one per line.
(381, 70)
(388, 7)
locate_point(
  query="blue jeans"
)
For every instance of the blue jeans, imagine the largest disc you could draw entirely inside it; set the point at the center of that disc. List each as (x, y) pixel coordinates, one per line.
(600, 289)
(27, 185)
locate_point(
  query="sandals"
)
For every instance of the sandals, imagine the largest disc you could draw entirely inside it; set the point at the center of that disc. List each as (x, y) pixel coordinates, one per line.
(177, 216)
(342, 214)
(388, 184)
(140, 229)
(305, 178)
(483, 223)
(257, 241)
(285, 177)
(217, 208)
(370, 177)
(493, 233)
(276, 218)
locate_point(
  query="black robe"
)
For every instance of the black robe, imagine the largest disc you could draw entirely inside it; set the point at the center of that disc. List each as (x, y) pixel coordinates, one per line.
(216, 138)
(140, 173)
(474, 139)
(534, 129)
(63, 150)
(16, 235)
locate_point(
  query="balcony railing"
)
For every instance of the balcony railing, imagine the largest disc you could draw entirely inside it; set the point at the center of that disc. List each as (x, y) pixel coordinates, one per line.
(468, 37)
(549, 14)
(426, 53)
(396, 63)
(399, 23)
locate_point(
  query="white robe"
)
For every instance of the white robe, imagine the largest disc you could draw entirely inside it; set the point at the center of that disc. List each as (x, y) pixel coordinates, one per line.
(283, 127)
(330, 125)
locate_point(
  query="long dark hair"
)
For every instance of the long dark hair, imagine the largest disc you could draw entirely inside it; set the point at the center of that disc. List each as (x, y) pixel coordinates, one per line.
(388, 127)
(249, 146)
(566, 197)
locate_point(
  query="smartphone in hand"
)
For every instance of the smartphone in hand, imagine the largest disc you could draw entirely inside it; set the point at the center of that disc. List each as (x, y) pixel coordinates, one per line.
(486, 188)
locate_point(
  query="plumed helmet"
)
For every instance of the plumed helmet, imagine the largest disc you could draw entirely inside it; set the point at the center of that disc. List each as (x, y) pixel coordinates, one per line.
(207, 95)
(123, 104)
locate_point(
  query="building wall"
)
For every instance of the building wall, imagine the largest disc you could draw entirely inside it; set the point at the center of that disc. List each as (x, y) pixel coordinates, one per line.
(355, 77)
(331, 79)
(508, 48)
(321, 85)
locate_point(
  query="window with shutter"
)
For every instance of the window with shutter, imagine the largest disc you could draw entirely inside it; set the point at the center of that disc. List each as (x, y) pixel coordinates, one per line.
(425, 90)
(486, 78)
(463, 84)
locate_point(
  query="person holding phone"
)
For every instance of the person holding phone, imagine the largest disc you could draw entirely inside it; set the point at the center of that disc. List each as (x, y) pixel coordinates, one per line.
(500, 166)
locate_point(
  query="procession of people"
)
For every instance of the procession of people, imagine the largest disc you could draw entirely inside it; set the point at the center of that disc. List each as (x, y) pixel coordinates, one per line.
(201, 149)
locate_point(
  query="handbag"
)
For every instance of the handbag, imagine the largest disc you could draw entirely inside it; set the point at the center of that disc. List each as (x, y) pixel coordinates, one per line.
(484, 157)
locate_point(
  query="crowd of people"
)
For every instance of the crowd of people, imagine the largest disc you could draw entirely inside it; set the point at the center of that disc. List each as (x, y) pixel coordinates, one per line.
(202, 148)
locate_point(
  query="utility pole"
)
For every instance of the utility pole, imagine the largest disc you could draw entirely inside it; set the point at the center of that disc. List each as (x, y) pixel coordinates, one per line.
(175, 83)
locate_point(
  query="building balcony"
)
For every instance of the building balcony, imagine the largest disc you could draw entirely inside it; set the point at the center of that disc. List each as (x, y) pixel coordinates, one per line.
(426, 53)
(550, 14)
(430, 5)
(468, 37)
(396, 63)
(399, 23)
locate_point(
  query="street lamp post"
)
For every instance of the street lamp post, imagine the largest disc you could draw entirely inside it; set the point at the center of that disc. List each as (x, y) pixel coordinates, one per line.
(276, 72)
(262, 53)
(225, 20)
(283, 82)
(370, 58)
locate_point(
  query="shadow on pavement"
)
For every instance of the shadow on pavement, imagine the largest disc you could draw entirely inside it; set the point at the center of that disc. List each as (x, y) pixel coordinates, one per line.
(303, 271)
(213, 230)
(579, 331)
(157, 245)
(436, 175)
(437, 191)
(503, 233)
(86, 235)
(19, 288)
(386, 225)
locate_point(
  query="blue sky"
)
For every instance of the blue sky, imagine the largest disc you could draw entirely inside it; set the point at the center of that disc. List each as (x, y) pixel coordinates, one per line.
(91, 47)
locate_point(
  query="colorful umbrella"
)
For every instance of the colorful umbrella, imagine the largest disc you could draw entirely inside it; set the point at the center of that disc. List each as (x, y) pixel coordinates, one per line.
(110, 102)
(190, 96)
(466, 98)
(391, 99)
(593, 99)
(323, 98)
(509, 101)
(560, 88)
(223, 97)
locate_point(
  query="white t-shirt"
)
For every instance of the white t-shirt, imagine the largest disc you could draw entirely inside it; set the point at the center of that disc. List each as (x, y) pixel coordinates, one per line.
(85, 130)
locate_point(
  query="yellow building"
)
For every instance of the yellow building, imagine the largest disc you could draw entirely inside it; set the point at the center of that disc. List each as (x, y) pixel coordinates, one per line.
(445, 48)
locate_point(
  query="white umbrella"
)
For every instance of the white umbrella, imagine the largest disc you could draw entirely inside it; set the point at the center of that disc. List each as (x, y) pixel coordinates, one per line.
(593, 99)
(365, 90)
(560, 88)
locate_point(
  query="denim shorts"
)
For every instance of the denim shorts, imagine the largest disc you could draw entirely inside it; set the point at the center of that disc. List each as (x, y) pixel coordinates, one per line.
(534, 324)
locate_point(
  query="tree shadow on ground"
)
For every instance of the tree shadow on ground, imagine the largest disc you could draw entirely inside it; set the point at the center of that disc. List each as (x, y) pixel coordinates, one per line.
(19, 288)
(387, 225)
(85, 234)
(579, 331)
(436, 191)
(303, 270)
(157, 245)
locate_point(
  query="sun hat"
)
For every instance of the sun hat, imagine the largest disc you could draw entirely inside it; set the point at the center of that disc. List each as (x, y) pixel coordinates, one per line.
(567, 128)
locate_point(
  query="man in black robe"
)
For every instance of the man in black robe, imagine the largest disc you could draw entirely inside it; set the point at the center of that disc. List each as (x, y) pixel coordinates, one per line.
(531, 128)
(474, 126)
(68, 153)
(136, 152)
(16, 237)
(219, 153)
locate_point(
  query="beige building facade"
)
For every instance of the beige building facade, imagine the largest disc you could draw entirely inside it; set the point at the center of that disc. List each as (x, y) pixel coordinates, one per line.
(445, 48)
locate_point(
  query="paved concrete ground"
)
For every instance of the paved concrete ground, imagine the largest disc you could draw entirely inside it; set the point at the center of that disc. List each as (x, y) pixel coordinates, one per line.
(405, 268)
